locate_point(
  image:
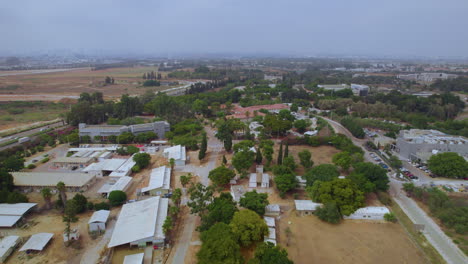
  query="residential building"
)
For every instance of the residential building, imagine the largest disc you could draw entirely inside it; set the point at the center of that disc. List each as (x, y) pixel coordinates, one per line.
(420, 145)
(178, 153)
(369, 213)
(104, 131)
(140, 223)
(159, 182)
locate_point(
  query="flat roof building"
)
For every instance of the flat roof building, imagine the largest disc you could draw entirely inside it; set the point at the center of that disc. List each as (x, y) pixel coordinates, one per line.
(115, 184)
(140, 223)
(70, 162)
(11, 214)
(104, 131)
(306, 207)
(159, 182)
(272, 210)
(74, 182)
(178, 153)
(369, 213)
(419, 144)
(97, 222)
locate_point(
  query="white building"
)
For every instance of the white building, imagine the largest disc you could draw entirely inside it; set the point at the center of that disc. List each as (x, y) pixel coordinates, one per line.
(159, 182)
(97, 222)
(369, 213)
(178, 153)
(37, 242)
(272, 210)
(134, 258)
(140, 223)
(7, 245)
(10, 214)
(259, 178)
(119, 184)
(270, 221)
(306, 207)
(74, 182)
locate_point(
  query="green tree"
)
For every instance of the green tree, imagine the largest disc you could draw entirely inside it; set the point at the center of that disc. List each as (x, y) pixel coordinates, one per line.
(219, 246)
(268, 253)
(117, 198)
(255, 201)
(448, 164)
(289, 162)
(342, 159)
(221, 176)
(222, 209)
(203, 147)
(395, 162)
(61, 188)
(305, 158)
(301, 125)
(167, 225)
(47, 195)
(259, 156)
(142, 159)
(285, 182)
(374, 173)
(390, 217)
(224, 160)
(6, 180)
(329, 213)
(200, 197)
(248, 227)
(280, 155)
(13, 163)
(69, 216)
(286, 151)
(125, 138)
(80, 202)
(322, 172)
(185, 179)
(176, 196)
(242, 160)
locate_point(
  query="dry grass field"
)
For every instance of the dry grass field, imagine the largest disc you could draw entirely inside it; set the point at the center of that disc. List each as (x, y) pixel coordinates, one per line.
(56, 85)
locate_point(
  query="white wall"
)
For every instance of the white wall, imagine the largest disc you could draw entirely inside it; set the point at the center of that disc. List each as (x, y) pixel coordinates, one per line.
(97, 226)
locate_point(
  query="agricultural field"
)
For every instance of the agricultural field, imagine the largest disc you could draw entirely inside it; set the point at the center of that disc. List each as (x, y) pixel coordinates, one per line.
(13, 114)
(63, 84)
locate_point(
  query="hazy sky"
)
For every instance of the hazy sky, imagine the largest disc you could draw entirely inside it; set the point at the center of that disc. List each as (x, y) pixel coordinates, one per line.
(296, 27)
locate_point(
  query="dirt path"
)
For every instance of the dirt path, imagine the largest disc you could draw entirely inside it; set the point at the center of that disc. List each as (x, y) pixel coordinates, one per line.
(94, 252)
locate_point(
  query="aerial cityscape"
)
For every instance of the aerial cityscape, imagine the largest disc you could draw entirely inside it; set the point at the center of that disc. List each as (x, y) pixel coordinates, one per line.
(256, 132)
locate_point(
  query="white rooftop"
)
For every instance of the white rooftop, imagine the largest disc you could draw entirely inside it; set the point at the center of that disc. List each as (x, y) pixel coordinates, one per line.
(99, 216)
(9, 220)
(270, 221)
(73, 159)
(306, 205)
(134, 259)
(372, 210)
(112, 185)
(51, 178)
(37, 242)
(124, 168)
(272, 208)
(140, 220)
(107, 148)
(271, 233)
(159, 178)
(176, 153)
(105, 165)
(15, 209)
(6, 243)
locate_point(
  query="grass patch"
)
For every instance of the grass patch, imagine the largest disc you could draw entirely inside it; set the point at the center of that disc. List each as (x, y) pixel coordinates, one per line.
(429, 251)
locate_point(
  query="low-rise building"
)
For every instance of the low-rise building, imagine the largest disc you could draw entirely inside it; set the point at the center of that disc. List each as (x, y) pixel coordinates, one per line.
(159, 182)
(115, 184)
(178, 153)
(140, 223)
(306, 207)
(418, 144)
(97, 222)
(259, 178)
(7, 245)
(369, 213)
(37, 242)
(272, 210)
(73, 162)
(104, 131)
(11, 214)
(35, 181)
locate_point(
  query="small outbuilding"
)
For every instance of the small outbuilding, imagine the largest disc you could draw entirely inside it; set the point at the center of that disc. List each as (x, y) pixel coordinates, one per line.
(97, 222)
(7, 245)
(272, 210)
(37, 242)
(159, 182)
(178, 153)
(369, 213)
(306, 207)
(74, 235)
(134, 258)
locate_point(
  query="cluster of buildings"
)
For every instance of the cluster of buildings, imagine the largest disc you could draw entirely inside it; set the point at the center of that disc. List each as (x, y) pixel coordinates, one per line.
(426, 76)
(358, 89)
(104, 131)
(420, 145)
(259, 179)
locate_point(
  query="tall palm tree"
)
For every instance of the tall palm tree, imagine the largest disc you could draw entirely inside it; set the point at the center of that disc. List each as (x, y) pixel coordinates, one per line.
(63, 195)
(47, 195)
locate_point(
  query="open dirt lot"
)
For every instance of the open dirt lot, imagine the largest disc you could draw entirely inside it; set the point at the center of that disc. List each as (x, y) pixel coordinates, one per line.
(352, 241)
(58, 85)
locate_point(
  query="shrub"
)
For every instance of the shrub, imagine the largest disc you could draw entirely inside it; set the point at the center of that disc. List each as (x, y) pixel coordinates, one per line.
(136, 168)
(117, 198)
(44, 160)
(102, 206)
(390, 217)
(31, 166)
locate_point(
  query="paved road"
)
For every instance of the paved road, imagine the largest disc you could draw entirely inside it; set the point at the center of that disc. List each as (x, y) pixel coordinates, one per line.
(28, 133)
(183, 243)
(444, 245)
(92, 254)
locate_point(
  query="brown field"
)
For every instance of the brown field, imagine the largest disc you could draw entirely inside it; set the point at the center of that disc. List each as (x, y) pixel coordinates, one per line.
(352, 241)
(73, 82)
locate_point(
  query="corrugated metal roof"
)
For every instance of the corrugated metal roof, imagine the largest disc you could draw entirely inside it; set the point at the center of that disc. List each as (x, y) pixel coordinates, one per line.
(177, 152)
(99, 216)
(37, 241)
(134, 259)
(160, 178)
(9, 220)
(270, 221)
(73, 160)
(51, 178)
(306, 205)
(6, 243)
(140, 220)
(15, 209)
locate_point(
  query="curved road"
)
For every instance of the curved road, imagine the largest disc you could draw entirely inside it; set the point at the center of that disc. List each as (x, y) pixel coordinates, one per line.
(441, 242)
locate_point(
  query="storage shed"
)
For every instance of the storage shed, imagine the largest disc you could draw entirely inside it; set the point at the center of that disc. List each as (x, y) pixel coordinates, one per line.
(306, 207)
(369, 213)
(97, 222)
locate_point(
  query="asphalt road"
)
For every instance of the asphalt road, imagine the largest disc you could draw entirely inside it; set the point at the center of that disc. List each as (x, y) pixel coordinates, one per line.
(27, 134)
(441, 242)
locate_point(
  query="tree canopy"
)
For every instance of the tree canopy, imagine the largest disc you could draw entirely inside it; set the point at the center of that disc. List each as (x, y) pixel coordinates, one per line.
(219, 246)
(305, 158)
(268, 253)
(374, 173)
(322, 172)
(248, 227)
(255, 201)
(142, 159)
(221, 176)
(117, 198)
(222, 209)
(448, 164)
(242, 160)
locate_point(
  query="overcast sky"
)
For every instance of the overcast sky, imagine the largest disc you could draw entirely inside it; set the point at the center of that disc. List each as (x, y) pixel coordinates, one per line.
(295, 27)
